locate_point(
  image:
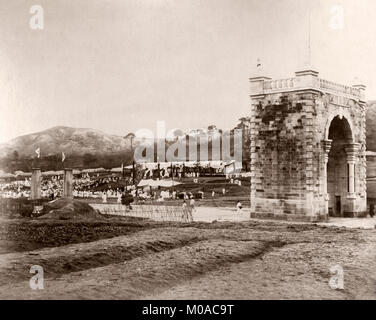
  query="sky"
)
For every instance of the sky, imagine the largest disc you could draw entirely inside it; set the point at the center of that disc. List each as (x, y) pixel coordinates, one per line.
(122, 65)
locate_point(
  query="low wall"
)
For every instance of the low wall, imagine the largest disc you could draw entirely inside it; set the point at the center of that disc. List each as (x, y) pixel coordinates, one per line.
(154, 212)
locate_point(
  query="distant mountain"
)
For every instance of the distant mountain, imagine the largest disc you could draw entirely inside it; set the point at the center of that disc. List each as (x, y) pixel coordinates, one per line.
(71, 141)
(371, 126)
(81, 141)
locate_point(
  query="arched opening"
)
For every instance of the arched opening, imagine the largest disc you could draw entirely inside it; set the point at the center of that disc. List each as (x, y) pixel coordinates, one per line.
(339, 171)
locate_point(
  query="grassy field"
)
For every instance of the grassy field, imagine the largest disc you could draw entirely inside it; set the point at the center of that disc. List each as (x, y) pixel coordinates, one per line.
(128, 258)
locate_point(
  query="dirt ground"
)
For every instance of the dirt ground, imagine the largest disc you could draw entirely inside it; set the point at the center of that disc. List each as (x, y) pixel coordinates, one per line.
(128, 258)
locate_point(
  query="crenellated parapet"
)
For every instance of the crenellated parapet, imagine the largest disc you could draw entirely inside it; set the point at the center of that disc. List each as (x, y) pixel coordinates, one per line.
(308, 80)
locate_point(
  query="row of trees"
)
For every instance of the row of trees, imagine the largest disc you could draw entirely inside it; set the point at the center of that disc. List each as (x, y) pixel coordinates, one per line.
(12, 163)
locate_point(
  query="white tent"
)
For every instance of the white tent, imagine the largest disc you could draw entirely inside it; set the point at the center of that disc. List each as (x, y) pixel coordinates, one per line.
(232, 167)
(94, 170)
(157, 183)
(53, 173)
(20, 173)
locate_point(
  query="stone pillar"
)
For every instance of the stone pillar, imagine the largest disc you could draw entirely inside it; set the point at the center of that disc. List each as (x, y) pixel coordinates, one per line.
(362, 88)
(326, 144)
(36, 179)
(352, 151)
(306, 78)
(68, 183)
(257, 84)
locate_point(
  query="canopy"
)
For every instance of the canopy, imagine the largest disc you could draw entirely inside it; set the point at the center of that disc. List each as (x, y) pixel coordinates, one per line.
(94, 170)
(53, 173)
(157, 183)
(20, 173)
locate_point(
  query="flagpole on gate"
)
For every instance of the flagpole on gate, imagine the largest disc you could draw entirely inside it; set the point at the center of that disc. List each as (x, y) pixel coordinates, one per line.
(37, 151)
(309, 36)
(62, 160)
(308, 54)
(172, 175)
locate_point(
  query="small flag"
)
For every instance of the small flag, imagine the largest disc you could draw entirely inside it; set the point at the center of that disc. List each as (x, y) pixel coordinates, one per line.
(38, 152)
(62, 157)
(258, 63)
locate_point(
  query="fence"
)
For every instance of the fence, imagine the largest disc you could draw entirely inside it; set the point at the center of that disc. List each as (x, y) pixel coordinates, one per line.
(146, 211)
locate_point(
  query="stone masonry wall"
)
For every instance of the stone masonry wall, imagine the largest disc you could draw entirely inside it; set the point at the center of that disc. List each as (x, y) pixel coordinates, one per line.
(287, 156)
(283, 162)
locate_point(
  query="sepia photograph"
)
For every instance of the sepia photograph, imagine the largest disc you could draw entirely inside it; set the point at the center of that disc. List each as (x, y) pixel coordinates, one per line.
(201, 151)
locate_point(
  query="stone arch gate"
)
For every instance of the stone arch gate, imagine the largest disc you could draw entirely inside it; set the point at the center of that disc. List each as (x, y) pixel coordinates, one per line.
(307, 148)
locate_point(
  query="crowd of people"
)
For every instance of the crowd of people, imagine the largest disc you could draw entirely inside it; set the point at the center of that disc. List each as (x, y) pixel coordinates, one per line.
(15, 189)
(87, 185)
(176, 172)
(108, 189)
(84, 186)
(52, 188)
(93, 183)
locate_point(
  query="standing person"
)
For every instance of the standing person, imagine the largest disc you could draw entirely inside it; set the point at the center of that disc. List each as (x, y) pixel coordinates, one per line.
(224, 191)
(119, 197)
(372, 210)
(213, 194)
(123, 198)
(190, 208)
(239, 207)
(104, 197)
(192, 204)
(185, 211)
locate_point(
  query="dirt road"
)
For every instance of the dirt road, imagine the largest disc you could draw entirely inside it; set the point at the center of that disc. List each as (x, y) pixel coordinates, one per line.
(220, 260)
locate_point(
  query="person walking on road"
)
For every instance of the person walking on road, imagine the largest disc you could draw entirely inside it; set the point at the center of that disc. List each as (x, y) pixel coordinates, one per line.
(192, 204)
(372, 210)
(239, 207)
(187, 213)
(104, 197)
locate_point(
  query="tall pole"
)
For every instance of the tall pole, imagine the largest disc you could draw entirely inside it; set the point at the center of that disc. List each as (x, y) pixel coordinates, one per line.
(132, 160)
(172, 174)
(309, 53)
(309, 37)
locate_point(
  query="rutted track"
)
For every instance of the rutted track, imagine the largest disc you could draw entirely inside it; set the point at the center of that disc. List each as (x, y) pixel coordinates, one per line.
(76, 257)
(250, 260)
(147, 274)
